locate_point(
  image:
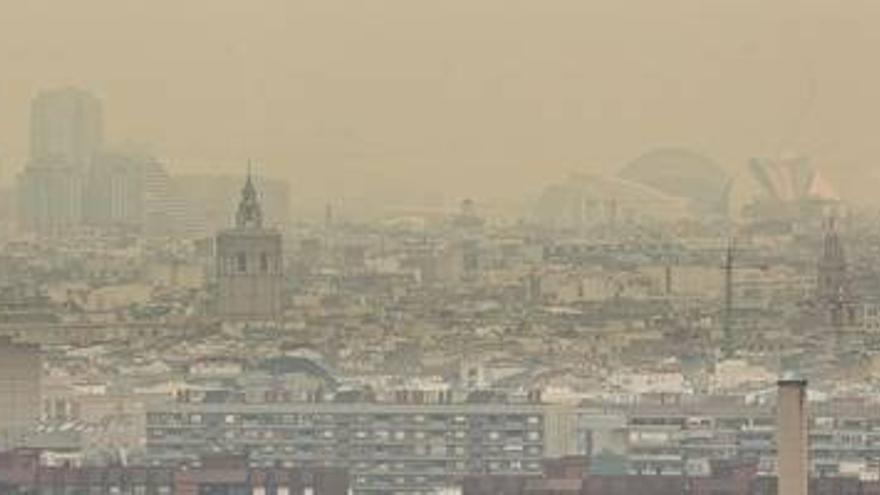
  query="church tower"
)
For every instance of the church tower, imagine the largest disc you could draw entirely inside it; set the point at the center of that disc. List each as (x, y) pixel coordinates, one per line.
(249, 264)
(832, 287)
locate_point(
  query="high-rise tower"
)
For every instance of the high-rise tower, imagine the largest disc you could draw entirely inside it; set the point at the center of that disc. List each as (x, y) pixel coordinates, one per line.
(249, 264)
(66, 127)
(66, 135)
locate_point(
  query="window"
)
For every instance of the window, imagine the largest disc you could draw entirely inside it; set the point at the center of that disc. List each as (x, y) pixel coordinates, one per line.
(242, 262)
(264, 262)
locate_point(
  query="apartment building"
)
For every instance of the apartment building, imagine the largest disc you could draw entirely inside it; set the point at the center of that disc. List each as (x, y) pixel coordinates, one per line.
(388, 448)
(684, 436)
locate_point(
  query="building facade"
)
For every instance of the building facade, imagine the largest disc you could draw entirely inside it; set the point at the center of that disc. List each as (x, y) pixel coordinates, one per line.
(20, 378)
(115, 192)
(388, 448)
(22, 471)
(833, 292)
(50, 198)
(133, 192)
(683, 437)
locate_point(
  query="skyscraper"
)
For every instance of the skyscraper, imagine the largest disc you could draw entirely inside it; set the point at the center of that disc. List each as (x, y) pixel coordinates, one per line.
(249, 264)
(50, 198)
(66, 127)
(66, 135)
(115, 191)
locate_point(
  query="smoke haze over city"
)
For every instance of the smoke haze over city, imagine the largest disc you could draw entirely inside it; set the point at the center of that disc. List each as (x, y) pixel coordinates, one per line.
(449, 247)
(455, 97)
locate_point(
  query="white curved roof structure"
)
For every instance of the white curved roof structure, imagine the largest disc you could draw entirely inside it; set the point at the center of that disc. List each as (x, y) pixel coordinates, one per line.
(586, 200)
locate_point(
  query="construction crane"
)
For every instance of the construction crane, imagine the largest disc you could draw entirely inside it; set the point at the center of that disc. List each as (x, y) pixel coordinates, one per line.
(727, 315)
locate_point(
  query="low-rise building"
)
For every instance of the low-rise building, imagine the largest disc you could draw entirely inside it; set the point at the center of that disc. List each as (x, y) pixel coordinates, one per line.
(23, 471)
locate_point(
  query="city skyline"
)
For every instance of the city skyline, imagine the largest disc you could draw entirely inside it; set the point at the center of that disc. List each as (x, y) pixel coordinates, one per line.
(321, 92)
(470, 247)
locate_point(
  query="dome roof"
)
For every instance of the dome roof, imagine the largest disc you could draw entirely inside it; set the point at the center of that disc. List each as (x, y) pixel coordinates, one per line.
(683, 173)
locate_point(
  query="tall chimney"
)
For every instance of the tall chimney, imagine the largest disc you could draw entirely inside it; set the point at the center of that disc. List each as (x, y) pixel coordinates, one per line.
(792, 437)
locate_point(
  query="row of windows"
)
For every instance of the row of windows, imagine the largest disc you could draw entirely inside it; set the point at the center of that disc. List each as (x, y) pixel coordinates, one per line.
(384, 435)
(239, 263)
(745, 424)
(314, 419)
(101, 490)
(492, 466)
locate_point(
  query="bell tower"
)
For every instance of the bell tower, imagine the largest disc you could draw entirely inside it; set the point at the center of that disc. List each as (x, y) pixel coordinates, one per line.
(832, 285)
(249, 264)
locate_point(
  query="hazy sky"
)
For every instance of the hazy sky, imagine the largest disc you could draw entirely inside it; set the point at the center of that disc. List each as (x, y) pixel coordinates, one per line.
(463, 95)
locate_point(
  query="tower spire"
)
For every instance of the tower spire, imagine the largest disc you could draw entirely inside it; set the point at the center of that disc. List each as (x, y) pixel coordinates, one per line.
(250, 213)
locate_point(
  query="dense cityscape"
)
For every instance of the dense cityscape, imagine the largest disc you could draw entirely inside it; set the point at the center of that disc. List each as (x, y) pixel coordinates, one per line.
(457, 247)
(177, 334)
